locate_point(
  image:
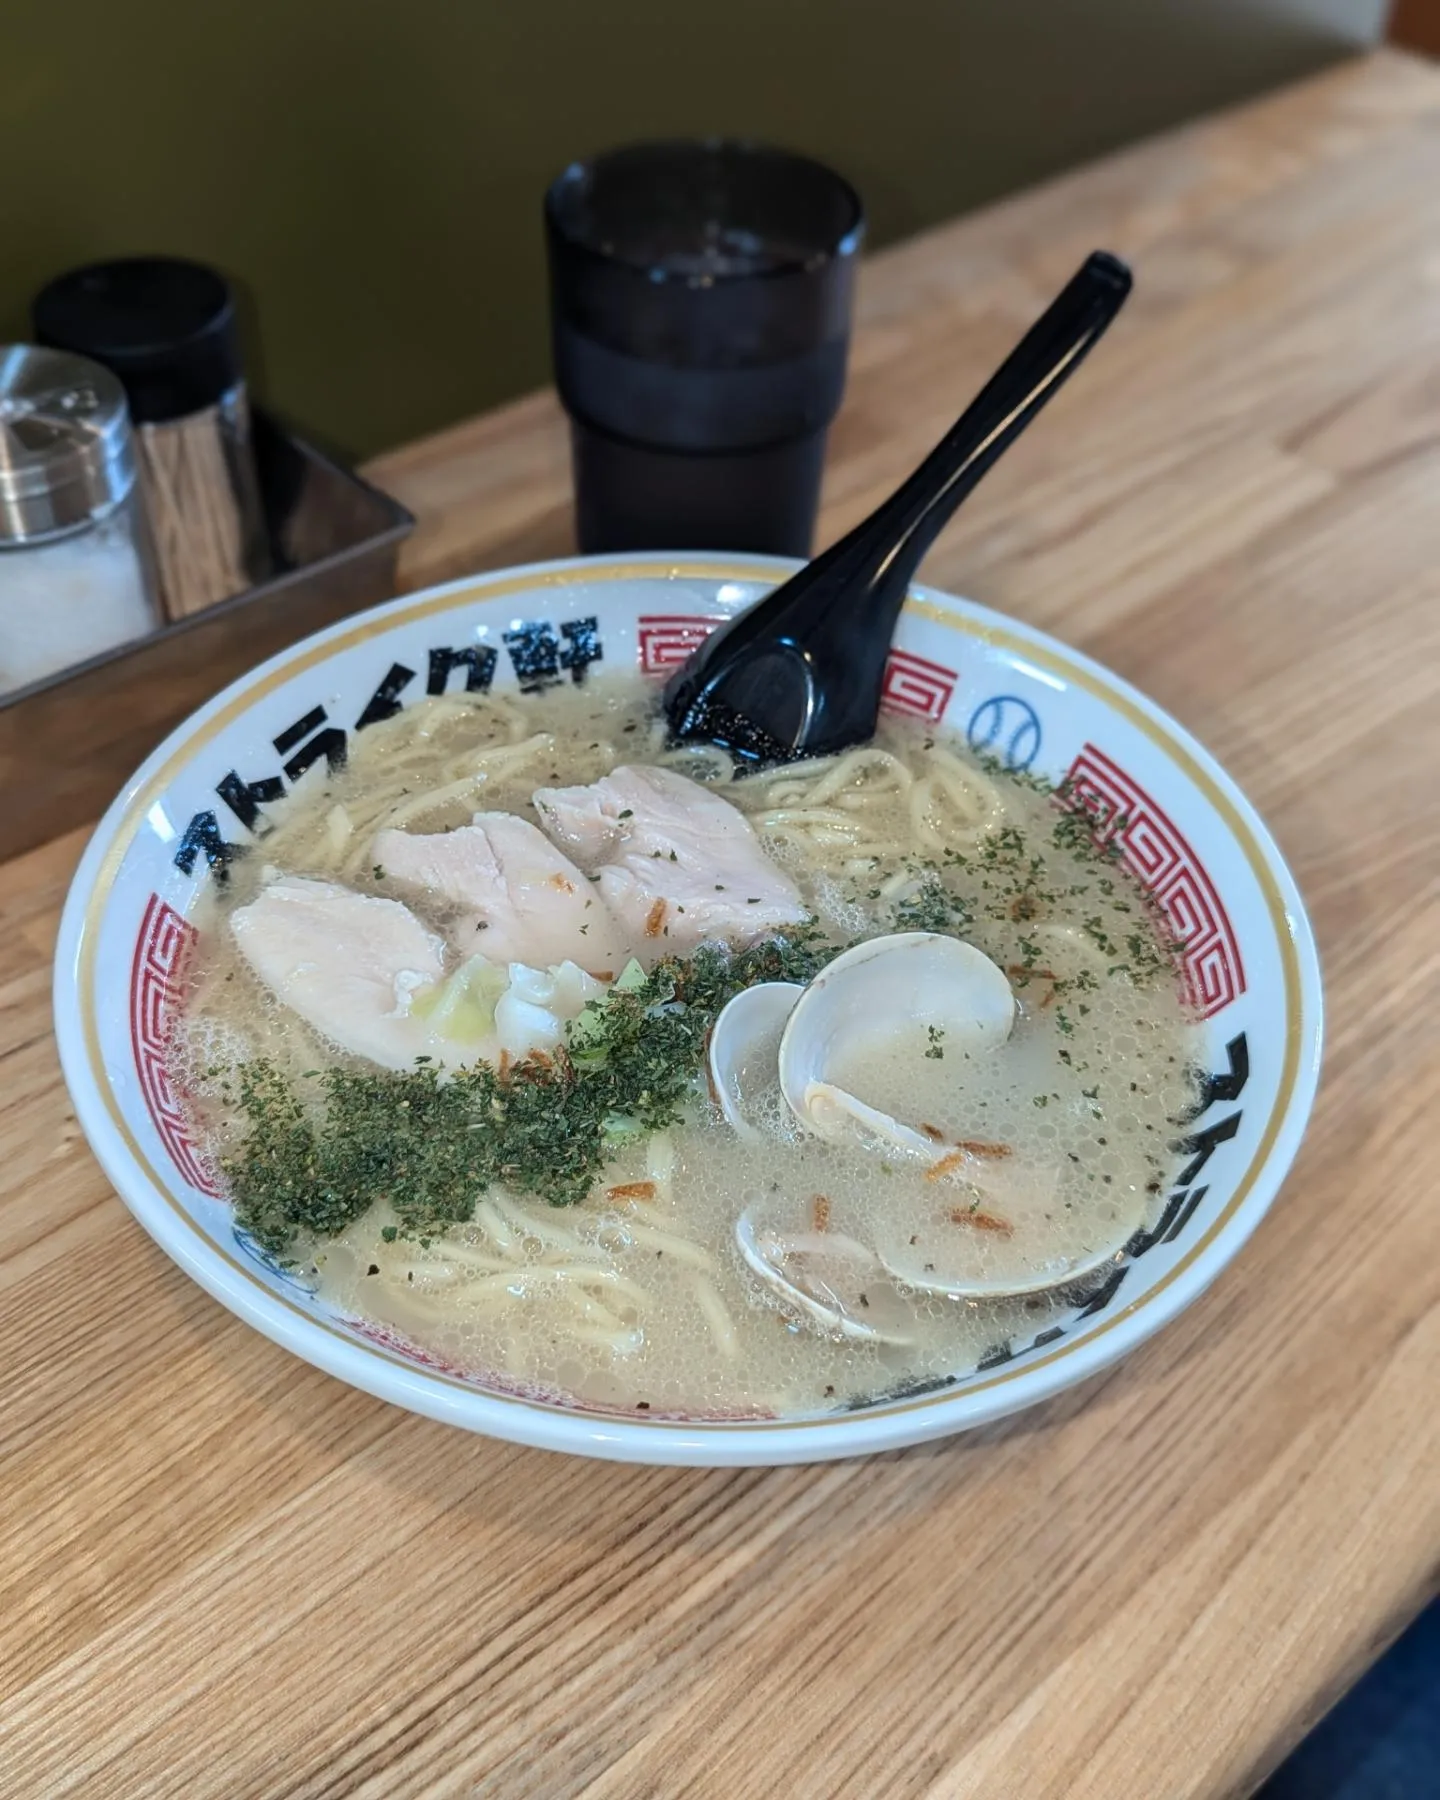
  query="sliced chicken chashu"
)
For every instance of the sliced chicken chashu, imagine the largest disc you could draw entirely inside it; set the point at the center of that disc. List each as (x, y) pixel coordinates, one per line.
(521, 899)
(367, 975)
(349, 964)
(677, 864)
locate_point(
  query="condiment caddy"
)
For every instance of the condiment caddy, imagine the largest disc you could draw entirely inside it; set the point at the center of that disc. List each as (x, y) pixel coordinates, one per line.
(69, 736)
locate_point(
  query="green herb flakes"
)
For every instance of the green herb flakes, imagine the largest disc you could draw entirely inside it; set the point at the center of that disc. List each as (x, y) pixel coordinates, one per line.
(430, 1142)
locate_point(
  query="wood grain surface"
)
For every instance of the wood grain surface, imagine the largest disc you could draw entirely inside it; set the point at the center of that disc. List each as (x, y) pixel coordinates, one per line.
(224, 1574)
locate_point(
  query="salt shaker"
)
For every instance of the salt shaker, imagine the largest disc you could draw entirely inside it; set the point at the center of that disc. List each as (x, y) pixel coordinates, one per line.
(167, 328)
(74, 555)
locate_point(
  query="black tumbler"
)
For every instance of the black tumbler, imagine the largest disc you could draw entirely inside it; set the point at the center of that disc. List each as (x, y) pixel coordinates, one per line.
(700, 301)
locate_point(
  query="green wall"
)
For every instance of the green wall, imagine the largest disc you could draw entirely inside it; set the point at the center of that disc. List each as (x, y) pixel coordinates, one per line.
(371, 170)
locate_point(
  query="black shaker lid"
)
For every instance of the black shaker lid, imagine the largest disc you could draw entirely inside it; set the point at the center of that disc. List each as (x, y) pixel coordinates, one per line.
(165, 326)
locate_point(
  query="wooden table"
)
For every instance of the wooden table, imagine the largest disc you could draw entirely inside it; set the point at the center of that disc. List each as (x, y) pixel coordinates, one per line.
(223, 1574)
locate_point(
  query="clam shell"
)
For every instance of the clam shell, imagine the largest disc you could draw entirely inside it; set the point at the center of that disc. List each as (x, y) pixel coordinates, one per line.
(945, 1255)
(886, 990)
(744, 1050)
(824, 1275)
(986, 1232)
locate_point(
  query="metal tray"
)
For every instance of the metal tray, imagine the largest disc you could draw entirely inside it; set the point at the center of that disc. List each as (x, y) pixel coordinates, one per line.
(69, 741)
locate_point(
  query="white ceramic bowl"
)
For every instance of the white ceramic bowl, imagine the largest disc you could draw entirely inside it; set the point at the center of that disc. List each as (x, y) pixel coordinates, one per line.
(1188, 833)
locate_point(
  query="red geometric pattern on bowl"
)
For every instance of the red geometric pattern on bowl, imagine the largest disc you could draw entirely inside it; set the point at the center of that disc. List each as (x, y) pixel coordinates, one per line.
(912, 684)
(916, 687)
(162, 950)
(1156, 853)
(669, 639)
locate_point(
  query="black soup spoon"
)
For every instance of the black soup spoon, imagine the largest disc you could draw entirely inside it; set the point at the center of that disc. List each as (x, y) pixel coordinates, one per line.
(800, 673)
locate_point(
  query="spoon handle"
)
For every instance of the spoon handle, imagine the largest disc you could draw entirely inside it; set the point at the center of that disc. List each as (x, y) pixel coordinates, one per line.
(896, 536)
(802, 671)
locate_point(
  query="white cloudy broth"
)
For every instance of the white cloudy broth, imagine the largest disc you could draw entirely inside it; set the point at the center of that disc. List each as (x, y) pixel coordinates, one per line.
(1076, 1112)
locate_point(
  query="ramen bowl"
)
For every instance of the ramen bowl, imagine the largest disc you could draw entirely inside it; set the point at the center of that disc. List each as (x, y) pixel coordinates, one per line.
(1164, 807)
